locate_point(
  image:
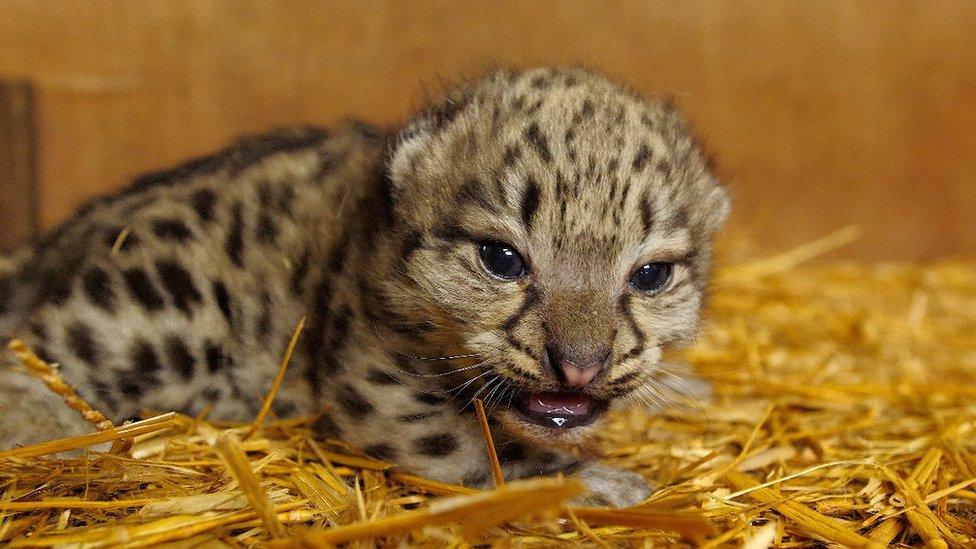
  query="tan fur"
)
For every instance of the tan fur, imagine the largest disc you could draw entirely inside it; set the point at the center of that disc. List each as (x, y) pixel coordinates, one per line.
(376, 239)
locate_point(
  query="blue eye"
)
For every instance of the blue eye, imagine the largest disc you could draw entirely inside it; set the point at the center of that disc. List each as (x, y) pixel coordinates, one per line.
(652, 278)
(502, 260)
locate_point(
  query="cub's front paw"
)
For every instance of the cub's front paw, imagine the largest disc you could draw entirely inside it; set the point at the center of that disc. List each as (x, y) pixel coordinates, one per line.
(611, 487)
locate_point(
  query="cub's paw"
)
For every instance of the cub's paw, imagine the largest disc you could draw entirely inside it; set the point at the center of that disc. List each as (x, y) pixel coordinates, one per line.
(611, 487)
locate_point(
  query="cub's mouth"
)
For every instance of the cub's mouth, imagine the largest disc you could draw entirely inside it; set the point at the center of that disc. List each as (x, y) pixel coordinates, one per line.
(558, 410)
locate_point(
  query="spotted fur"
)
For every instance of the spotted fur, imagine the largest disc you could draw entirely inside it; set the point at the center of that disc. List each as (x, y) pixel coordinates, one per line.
(181, 291)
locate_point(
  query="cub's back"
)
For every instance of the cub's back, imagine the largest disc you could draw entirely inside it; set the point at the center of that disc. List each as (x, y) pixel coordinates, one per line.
(160, 295)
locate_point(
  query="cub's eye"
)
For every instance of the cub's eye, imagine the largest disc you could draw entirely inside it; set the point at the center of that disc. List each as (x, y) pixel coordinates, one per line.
(502, 260)
(652, 278)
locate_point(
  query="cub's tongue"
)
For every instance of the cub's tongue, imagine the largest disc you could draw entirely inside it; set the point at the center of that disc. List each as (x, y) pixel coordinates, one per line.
(558, 410)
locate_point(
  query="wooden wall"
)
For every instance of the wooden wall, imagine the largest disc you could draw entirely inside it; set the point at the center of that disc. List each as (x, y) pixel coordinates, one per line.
(821, 114)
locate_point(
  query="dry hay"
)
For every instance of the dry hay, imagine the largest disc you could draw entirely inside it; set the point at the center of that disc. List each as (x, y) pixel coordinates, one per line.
(842, 412)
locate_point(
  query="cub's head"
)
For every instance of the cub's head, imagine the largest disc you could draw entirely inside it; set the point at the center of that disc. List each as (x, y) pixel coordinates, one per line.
(558, 228)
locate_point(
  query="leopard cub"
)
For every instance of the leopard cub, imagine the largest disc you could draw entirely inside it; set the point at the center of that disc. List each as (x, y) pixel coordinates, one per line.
(534, 240)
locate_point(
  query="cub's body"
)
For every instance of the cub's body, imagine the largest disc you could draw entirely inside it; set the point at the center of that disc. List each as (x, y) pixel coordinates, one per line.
(182, 291)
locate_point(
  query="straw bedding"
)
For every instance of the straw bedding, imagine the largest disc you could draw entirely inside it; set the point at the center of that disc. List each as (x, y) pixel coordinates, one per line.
(842, 410)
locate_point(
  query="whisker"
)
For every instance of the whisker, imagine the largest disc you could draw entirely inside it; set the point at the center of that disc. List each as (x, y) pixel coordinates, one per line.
(510, 391)
(431, 358)
(464, 385)
(439, 374)
(483, 387)
(678, 385)
(454, 389)
(503, 385)
(665, 404)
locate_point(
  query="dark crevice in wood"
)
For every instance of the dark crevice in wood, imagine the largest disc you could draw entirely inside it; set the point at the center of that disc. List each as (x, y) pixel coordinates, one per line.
(18, 165)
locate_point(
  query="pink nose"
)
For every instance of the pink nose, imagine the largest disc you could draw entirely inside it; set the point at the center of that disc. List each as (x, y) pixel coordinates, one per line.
(577, 368)
(579, 375)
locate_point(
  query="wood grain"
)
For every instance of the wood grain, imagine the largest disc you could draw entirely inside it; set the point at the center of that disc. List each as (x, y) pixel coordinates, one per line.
(18, 183)
(820, 114)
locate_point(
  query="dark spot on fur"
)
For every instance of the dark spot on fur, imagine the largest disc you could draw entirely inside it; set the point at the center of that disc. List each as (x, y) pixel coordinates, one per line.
(234, 245)
(215, 358)
(298, 273)
(326, 427)
(54, 286)
(328, 162)
(452, 232)
(353, 402)
(518, 103)
(586, 109)
(512, 154)
(180, 357)
(337, 257)
(313, 344)
(171, 229)
(449, 109)
(129, 387)
(264, 320)
(266, 231)
(265, 196)
(641, 158)
(429, 398)
(663, 167)
(286, 197)
(474, 192)
(284, 408)
(142, 289)
(212, 394)
(411, 243)
(538, 142)
(104, 394)
(530, 202)
(145, 362)
(82, 343)
(379, 377)
(513, 451)
(647, 215)
(474, 479)
(98, 287)
(438, 445)
(338, 330)
(223, 300)
(681, 217)
(382, 451)
(570, 135)
(203, 201)
(178, 282)
(38, 330)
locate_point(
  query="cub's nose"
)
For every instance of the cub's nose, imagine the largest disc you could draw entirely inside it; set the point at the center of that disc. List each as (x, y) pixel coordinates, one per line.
(578, 369)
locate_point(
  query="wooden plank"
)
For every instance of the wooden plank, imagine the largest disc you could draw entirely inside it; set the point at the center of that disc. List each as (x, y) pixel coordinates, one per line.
(18, 173)
(821, 114)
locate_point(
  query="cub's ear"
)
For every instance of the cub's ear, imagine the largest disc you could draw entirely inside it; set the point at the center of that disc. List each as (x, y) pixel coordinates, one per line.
(716, 206)
(420, 136)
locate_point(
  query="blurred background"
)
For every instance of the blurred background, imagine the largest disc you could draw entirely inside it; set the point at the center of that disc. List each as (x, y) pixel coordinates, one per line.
(820, 114)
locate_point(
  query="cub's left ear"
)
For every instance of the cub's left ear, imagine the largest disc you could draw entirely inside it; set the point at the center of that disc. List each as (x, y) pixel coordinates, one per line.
(716, 206)
(419, 138)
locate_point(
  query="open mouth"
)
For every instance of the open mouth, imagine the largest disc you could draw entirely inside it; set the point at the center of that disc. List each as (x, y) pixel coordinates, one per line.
(558, 410)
